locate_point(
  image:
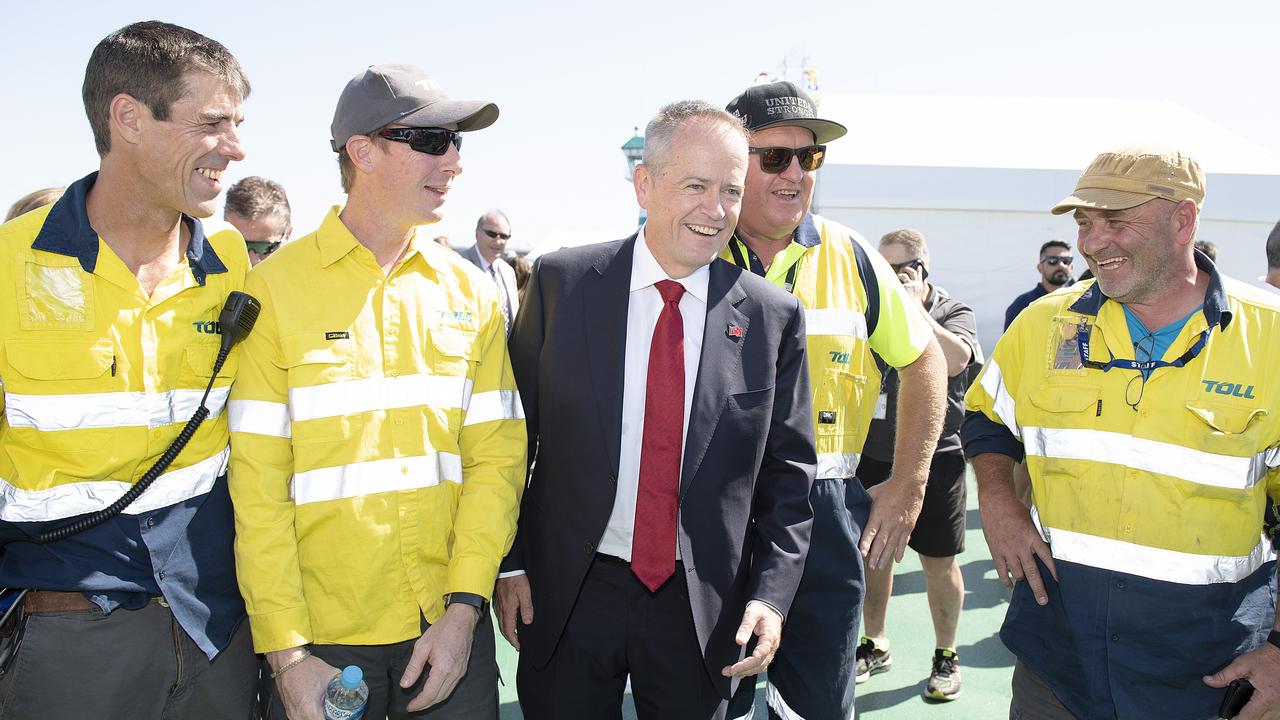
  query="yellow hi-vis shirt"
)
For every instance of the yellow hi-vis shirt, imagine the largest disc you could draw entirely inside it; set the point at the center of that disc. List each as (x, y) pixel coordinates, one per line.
(98, 378)
(378, 442)
(853, 304)
(1165, 479)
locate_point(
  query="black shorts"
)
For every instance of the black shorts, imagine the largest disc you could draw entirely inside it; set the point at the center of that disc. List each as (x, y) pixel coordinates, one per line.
(939, 531)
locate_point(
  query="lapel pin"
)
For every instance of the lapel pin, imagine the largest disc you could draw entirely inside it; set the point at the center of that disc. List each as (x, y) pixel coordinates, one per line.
(734, 332)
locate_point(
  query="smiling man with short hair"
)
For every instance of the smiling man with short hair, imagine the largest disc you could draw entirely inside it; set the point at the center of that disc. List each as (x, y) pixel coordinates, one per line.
(379, 443)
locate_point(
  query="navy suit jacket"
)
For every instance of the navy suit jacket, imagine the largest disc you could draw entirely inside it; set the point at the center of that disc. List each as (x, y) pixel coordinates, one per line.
(749, 455)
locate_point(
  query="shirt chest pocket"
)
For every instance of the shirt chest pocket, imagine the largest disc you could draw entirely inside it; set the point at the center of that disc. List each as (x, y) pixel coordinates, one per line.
(1225, 429)
(60, 385)
(1059, 424)
(838, 402)
(451, 352)
(323, 387)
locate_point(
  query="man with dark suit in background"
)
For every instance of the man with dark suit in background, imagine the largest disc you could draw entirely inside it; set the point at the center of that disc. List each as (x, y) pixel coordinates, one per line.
(667, 400)
(493, 230)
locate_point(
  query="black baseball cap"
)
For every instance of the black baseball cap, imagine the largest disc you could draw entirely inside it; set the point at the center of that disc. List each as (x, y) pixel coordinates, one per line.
(783, 103)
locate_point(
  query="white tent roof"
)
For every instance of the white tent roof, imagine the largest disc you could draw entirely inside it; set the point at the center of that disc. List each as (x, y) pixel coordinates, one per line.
(1030, 133)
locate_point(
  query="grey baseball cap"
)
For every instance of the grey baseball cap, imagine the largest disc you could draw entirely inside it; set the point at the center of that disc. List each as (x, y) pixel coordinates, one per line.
(385, 94)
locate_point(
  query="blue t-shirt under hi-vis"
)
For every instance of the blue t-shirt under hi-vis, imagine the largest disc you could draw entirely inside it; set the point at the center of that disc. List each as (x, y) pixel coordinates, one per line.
(1149, 345)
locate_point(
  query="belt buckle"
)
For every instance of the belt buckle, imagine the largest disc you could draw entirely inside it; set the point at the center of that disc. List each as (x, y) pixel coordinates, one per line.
(13, 626)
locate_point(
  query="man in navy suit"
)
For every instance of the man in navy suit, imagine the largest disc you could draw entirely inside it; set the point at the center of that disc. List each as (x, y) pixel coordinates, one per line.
(666, 521)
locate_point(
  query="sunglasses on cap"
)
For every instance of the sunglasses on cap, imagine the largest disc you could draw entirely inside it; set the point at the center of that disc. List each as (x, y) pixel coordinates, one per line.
(429, 140)
(774, 160)
(262, 248)
(1058, 260)
(495, 234)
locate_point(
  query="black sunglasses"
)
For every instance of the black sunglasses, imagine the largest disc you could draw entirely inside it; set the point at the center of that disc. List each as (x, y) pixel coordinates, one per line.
(495, 234)
(774, 160)
(1058, 260)
(263, 247)
(429, 140)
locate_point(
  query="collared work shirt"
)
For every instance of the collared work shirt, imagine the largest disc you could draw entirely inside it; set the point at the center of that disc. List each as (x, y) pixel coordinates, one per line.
(644, 305)
(1152, 502)
(378, 441)
(853, 304)
(98, 380)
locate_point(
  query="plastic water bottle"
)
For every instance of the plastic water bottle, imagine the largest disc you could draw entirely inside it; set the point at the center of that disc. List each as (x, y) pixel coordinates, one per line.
(346, 695)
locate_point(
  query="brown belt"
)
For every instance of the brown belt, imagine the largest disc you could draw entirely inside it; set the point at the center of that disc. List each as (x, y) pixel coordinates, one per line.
(51, 601)
(48, 601)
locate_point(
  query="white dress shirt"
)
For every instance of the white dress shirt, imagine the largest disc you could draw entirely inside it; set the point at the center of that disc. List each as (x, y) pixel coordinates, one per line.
(643, 307)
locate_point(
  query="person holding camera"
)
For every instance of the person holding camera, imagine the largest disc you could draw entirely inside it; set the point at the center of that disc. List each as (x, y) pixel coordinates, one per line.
(938, 535)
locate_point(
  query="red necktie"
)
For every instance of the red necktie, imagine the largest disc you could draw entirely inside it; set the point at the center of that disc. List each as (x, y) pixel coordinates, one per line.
(653, 543)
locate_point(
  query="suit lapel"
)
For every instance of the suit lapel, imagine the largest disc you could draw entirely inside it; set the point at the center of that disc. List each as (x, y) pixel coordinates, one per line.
(606, 295)
(721, 361)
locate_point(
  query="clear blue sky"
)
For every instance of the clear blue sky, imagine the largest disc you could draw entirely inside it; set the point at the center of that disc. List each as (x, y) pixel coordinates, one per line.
(573, 78)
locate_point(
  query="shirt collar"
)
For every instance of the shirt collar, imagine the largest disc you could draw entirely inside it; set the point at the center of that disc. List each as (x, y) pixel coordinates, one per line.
(645, 271)
(1216, 309)
(807, 234)
(66, 231)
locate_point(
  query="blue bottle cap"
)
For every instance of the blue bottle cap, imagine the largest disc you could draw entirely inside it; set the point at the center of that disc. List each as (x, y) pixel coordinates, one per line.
(352, 676)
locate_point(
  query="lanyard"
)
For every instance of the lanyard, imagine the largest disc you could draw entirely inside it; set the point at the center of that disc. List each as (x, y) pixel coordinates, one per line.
(1144, 366)
(789, 283)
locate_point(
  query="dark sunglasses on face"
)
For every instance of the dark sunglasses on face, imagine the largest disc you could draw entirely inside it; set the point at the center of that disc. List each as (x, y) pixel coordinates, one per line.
(774, 160)
(429, 140)
(1058, 260)
(495, 234)
(262, 248)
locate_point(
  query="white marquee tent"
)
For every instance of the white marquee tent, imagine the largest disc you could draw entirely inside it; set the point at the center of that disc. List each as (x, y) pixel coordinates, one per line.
(977, 176)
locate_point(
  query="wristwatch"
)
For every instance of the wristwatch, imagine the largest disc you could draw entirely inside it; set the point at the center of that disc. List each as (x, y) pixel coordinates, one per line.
(465, 598)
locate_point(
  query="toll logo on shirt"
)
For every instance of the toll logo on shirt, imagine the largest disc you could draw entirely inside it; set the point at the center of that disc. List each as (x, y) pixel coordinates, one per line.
(206, 327)
(839, 357)
(1229, 388)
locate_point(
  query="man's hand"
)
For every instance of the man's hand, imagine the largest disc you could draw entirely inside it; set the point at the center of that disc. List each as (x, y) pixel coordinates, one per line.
(894, 508)
(765, 623)
(1262, 667)
(509, 596)
(302, 686)
(913, 282)
(446, 647)
(1014, 542)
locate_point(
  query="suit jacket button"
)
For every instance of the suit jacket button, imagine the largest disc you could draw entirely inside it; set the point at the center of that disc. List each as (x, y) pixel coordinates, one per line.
(589, 548)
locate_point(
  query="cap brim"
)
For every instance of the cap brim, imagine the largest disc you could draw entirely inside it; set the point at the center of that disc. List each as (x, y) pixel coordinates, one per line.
(468, 115)
(1100, 199)
(824, 131)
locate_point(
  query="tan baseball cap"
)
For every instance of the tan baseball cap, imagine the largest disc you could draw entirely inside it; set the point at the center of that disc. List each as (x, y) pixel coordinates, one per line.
(1127, 177)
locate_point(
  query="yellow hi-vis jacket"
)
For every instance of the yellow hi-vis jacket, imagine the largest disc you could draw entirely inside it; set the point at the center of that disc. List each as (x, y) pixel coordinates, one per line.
(98, 378)
(853, 304)
(378, 442)
(1166, 479)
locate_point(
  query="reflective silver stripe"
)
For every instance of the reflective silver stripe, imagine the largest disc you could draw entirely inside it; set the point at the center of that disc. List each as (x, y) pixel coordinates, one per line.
(494, 405)
(1184, 463)
(774, 700)
(259, 417)
(377, 393)
(836, 465)
(1001, 401)
(64, 501)
(375, 476)
(1271, 456)
(1156, 563)
(835, 321)
(51, 413)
